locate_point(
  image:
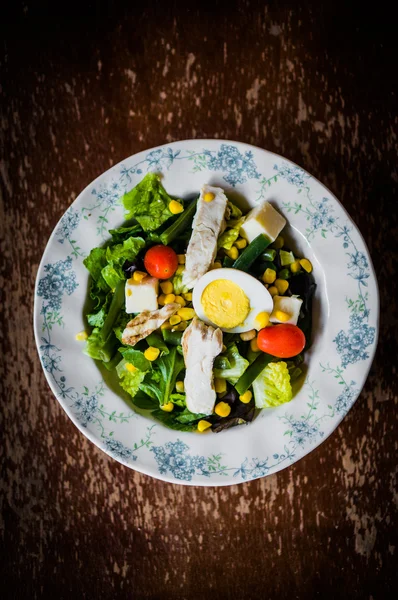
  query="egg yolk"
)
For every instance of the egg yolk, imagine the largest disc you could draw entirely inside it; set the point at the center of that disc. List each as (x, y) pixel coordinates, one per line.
(225, 303)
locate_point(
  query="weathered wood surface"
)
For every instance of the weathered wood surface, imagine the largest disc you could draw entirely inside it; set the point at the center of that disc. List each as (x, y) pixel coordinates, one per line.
(80, 91)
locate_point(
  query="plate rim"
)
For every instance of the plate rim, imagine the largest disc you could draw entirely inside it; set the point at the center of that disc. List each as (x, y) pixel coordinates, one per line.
(165, 476)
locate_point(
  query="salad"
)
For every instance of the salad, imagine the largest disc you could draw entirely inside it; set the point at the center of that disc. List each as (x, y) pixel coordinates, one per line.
(202, 312)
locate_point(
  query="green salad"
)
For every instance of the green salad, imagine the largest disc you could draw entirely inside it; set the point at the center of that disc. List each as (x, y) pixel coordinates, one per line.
(202, 312)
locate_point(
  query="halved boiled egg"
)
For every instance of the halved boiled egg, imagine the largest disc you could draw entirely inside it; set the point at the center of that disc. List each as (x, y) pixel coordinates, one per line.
(231, 300)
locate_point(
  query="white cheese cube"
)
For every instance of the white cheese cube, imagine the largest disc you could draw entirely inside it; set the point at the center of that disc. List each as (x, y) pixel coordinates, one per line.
(141, 295)
(289, 305)
(262, 219)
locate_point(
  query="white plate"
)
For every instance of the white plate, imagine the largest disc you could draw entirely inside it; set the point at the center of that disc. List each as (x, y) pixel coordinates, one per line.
(345, 316)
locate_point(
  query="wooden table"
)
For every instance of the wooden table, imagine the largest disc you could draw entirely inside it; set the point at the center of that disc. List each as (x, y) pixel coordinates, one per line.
(81, 90)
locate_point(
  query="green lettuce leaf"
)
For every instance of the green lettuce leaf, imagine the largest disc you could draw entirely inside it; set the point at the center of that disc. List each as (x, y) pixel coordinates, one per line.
(160, 382)
(128, 250)
(272, 387)
(130, 382)
(120, 324)
(112, 275)
(105, 267)
(102, 343)
(231, 234)
(97, 295)
(142, 400)
(97, 319)
(186, 416)
(94, 263)
(136, 358)
(99, 349)
(178, 399)
(148, 203)
(238, 365)
(169, 420)
(120, 234)
(221, 362)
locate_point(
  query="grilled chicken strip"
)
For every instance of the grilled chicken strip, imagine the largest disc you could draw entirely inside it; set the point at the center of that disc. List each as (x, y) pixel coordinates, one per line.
(146, 322)
(208, 224)
(200, 344)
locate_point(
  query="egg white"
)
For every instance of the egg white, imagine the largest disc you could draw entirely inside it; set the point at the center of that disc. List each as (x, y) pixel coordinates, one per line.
(259, 297)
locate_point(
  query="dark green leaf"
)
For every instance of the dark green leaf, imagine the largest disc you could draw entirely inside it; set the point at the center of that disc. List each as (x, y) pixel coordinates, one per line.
(120, 234)
(170, 421)
(160, 382)
(95, 262)
(186, 416)
(178, 399)
(154, 339)
(142, 400)
(136, 358)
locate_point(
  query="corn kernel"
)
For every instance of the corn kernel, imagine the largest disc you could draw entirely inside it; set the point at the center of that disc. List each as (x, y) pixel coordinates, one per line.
(262, 320)
(169, 298)
(222, 394)
(180, 300)
(306, 264)
(180, 269)
(166, 287)
(167, 407)
(246, 397)
(129, 292)
(217, 265)
(220, 385)
(273, 290)
(278, 243)
(269, 276)
(208, 197)
(246, 336)
(161, 299)
(282, 316)
(203, 425)
(180, 387)
(174, 320)
(233, 253)
(188, 296)
(241, 243)
(181, 259)
(151, 353)
(222, 409)
(186, 314)
(81, 336)
(130, 367)
(166, 325)
(139, 275)
(181, 326)
(254, 346)
(175, 207)
(281, 285)
(295, 267)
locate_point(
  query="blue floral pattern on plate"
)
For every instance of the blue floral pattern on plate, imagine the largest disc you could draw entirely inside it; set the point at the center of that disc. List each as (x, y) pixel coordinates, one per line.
(238, 167)
(59, 279)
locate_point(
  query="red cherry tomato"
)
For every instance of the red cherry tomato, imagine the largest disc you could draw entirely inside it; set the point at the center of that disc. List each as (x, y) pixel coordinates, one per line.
(283, 341)
(161, 262)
